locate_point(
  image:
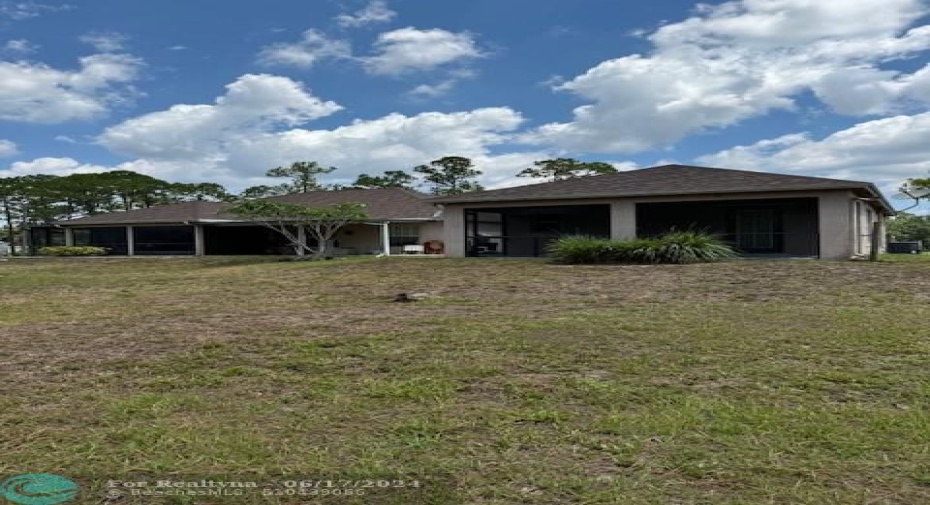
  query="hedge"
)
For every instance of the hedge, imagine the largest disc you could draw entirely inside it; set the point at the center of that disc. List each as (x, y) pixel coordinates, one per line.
(72, 251)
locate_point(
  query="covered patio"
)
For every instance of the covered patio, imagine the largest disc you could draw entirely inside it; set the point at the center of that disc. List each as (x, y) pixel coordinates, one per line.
(783, 227)
(527, 231)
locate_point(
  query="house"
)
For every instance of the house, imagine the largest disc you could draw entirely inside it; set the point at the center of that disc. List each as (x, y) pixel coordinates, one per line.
(759, 213)
(397, 217)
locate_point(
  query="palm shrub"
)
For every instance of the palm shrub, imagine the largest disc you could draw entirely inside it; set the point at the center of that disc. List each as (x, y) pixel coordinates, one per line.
(691, 247)
(671, 248)
(581, 249)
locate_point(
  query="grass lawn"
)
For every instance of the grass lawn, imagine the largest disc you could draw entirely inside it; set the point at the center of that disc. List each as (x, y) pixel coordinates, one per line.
(516, 382)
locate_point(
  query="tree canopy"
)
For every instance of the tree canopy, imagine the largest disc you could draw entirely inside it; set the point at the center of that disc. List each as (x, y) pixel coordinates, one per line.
(450, 175)
(390, 179)
(906, 226)
(303, 177)
(559, 169)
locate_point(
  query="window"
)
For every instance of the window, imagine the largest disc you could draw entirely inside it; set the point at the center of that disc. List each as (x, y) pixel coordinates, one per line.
(404, 234)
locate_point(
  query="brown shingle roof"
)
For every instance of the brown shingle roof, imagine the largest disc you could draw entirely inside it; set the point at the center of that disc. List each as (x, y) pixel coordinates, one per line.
(383, 203)
(380, 204)
(663, 180)
(168, 213)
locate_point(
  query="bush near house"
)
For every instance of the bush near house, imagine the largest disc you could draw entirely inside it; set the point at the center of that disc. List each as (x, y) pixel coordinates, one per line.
(72, 251)
(671, 248)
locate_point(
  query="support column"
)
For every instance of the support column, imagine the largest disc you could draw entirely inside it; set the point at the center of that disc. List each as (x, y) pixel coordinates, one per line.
(623, 220)
(130, 241)
(453, 231)
(837, 236)
(386, 238)
(302, 240)
(199, 247)
(69, 237)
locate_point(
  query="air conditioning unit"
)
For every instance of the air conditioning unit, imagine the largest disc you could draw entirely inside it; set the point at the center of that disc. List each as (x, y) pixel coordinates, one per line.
(915, 247)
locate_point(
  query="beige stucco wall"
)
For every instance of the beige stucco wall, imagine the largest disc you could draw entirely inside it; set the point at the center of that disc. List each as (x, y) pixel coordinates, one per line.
(366, 238)
(835, 210)
(431, 230)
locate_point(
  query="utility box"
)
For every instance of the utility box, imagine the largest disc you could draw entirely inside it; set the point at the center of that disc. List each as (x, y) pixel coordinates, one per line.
(915, 247)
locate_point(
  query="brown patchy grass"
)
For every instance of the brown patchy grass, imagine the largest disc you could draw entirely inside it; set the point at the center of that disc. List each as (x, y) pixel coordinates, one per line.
(513, 382)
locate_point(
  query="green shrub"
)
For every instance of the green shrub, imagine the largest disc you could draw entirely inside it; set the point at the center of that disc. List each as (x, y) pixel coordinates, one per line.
(673, 247)
(72, 251)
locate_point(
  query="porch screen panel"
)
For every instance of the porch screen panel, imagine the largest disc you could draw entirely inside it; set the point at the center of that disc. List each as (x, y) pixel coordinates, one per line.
(164, 240)
(114, 240)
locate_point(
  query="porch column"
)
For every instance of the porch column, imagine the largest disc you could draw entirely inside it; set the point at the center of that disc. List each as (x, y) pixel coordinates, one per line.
(453, 231)
(69, 237)
(837, 236)
(386, 238)
(198, 240)
(130, 241)
(623, 220)
(302, 240)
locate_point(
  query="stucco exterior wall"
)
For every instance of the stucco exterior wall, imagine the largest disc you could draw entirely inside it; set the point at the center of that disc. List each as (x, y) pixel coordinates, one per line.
(431, 230)
(359, 238)
(836, 231)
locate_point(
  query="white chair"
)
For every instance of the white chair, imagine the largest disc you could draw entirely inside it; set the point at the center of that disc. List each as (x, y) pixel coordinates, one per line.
(413, 249)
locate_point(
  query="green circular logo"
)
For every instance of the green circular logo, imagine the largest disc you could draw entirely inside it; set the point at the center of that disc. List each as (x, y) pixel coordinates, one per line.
(38, 489)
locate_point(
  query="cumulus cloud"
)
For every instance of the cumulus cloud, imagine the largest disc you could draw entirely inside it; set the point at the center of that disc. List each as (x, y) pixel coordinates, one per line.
(410, 50)
(258, 124)
(37, 93)
(252, 104)
(8, 148)
(741, 59)
(376, 11)
(885, 151)
(313, 47)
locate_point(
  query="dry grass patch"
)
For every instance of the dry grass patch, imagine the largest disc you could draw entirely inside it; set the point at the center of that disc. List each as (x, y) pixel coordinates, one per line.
(514, 382)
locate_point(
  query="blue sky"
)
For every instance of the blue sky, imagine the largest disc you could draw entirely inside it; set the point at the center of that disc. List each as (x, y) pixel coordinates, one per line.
(212, 90)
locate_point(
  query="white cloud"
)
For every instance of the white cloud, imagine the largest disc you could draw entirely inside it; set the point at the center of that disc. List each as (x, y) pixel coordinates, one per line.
(51, 166)
(18, 10)
(409, 50)
(256, 125)
(20, 47)
(444, 86)
(8, 148)
(313, 47)
(376, 11)
(741, 59)
(105, 42)
(252, 104)
(391, 142)
(885, 151)
(37, 93)
(434, 90)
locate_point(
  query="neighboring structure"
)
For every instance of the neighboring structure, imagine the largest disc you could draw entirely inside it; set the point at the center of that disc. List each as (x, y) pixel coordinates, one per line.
(759, 213)
(397, 217)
